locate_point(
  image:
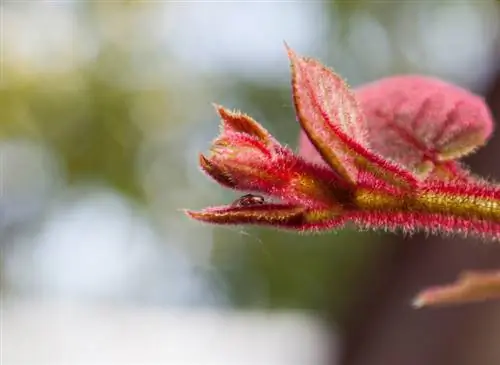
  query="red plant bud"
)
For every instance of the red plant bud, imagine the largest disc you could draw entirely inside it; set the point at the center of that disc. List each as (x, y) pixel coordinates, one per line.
(389, 164)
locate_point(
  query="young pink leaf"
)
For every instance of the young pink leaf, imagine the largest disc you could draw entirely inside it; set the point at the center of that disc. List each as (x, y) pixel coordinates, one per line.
(423, 122)
(327, 112)
(334, 124)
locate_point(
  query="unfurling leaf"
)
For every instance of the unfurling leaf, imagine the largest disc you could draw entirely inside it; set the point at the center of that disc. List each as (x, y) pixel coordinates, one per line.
(334, 124)
(423, 123)
(328, 113)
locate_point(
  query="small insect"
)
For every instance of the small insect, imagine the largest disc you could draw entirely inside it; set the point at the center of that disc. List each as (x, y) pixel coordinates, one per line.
(249, 200)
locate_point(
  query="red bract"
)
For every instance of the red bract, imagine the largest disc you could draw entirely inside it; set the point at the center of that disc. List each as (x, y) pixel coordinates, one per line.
(384, 161)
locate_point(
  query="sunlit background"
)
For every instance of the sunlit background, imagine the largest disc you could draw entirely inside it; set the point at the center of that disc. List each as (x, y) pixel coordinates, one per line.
(104, 107)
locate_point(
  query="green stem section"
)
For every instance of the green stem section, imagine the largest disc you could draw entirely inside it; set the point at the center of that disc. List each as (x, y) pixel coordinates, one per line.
(478, 203)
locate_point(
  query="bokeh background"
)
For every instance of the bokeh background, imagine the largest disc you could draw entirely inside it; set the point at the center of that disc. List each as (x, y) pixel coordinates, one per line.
(104, 107)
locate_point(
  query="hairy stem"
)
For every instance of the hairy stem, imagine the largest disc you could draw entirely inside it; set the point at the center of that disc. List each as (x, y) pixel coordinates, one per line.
(472, 208)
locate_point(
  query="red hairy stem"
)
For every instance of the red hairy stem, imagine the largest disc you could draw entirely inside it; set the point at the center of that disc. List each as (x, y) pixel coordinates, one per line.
(436, 206)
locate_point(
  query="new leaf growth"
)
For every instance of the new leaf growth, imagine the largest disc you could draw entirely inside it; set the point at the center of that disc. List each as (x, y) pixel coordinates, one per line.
(383, 157)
